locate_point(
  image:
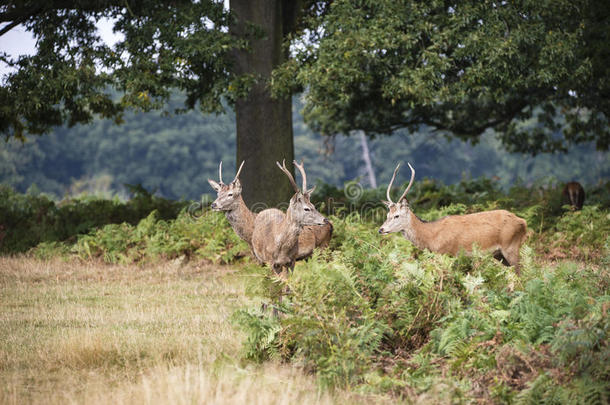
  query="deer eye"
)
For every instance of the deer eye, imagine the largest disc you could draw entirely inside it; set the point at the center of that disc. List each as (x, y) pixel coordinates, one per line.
(230, 194)
(307, 209)
(396, 216)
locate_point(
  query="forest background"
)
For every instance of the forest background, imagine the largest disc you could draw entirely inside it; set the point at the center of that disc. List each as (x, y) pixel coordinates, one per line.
(174, 155)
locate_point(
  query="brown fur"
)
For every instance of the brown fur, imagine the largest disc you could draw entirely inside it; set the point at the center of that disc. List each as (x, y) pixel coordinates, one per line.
(574, 194)
(240, 217)
(277, 236)
(314, 237)
(275, 239)
(498, 231)
(493, 231)
(242, 220)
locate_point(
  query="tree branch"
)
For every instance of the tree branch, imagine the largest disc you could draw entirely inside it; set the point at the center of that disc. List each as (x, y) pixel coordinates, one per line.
(11, 25)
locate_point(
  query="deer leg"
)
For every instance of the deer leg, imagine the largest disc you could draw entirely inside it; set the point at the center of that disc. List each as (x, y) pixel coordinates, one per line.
(499, 256)
(511, 255)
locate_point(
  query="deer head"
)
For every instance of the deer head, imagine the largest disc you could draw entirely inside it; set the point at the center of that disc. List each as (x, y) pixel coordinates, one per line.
(301, 209)
(398, 217)
(227, 194)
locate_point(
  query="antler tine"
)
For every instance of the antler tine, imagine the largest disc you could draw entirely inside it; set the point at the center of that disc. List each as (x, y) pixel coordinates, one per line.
(302, 170)
(287, 173)
(220, 172)
(410, 182)
(391, 182)
(239, 170)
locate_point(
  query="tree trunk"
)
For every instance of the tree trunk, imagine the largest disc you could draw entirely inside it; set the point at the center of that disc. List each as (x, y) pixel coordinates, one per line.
(366, 156)
(264, 125)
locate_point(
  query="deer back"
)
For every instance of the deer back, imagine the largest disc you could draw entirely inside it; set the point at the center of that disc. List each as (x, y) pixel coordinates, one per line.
(490, 230)
(314, 237)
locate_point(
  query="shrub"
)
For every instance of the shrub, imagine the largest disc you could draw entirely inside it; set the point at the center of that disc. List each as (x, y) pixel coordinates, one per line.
(27, 220)
(379, 315)
(208, 236)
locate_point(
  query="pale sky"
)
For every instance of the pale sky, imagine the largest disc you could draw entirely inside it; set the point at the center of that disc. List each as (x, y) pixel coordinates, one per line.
(18, 41)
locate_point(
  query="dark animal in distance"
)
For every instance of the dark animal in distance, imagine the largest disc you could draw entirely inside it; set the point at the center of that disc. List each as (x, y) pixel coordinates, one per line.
(574, 194)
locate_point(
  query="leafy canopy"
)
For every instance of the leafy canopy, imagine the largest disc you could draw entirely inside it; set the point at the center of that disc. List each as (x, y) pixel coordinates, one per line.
(460, 67)
(74, 75)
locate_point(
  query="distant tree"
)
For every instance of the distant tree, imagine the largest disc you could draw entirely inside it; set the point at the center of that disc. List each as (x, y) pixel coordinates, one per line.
(458, 67)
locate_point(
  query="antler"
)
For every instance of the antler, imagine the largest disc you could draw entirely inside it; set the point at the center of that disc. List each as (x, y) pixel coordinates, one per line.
(302, 170)
(239, 170)
(392, 181)
(410, 182)
(287, 173)
(220, 172)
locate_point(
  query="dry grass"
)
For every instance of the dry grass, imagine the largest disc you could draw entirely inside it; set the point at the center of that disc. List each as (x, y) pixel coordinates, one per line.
(90, 333)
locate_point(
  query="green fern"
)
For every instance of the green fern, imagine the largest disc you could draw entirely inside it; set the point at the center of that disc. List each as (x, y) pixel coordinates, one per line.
(262, 334)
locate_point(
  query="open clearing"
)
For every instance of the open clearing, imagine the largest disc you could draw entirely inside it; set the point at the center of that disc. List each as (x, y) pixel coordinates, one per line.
(74, 332)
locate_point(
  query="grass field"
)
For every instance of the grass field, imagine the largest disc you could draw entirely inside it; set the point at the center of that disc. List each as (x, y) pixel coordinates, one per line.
(74, 332)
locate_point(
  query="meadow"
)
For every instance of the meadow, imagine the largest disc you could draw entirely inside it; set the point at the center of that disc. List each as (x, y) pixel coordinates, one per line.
(168, 308)
(83, 332)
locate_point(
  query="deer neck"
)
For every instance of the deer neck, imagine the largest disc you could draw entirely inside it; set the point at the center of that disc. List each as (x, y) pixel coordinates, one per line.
(419, 232)
(288, 236)
(241, 220)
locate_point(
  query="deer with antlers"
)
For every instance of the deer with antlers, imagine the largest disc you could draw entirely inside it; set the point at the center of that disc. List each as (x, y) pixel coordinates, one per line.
(275, 238)
(230, 201)
(499, 231)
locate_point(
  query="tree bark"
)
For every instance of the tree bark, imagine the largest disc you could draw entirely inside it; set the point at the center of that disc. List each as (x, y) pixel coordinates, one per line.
(263, 124)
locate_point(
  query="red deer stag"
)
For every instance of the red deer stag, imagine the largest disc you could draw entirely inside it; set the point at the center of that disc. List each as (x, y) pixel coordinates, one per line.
(275, 239)
(574, 194)
(496, 231)
(229, 200)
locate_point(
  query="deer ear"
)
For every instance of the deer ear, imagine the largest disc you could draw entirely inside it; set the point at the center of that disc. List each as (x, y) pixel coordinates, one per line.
(404, 203)
(309, 192)
(387, 203)
(214, 185)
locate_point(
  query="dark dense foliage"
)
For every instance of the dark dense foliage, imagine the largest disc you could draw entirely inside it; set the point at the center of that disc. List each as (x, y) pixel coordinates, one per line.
(460, 67)
(27, 220)
(72, 76)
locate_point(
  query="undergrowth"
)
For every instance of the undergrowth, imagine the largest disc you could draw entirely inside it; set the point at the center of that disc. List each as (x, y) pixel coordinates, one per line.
(378, 315)
(206, 237)
(27, 220)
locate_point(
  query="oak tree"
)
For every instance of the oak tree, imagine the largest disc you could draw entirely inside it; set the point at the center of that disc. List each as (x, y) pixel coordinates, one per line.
(214, 55)
(536, 71)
